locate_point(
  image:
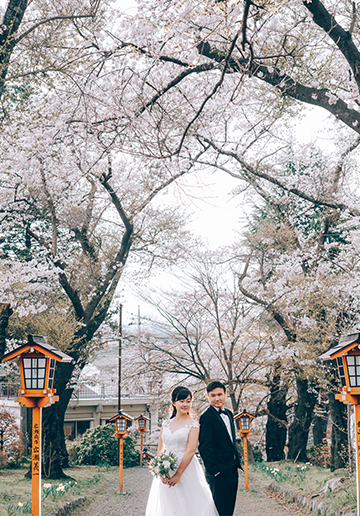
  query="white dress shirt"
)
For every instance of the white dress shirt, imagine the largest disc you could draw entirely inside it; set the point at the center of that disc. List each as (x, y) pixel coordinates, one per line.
(226, 420)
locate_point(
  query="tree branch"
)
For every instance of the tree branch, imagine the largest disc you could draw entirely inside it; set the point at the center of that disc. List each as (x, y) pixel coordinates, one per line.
(248, 168)
(342, 38)
(290, 334)
(274, 76)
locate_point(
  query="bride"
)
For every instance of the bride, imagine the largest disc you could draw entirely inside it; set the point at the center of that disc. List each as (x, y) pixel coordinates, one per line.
(186, 493)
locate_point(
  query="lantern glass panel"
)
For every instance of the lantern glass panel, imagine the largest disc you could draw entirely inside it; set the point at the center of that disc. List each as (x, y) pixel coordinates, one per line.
(341, 371)
(141, 423)
(353, 363)
(51, 373)
(245, 423)
(121, 424)
(27, 372)
(34, 372)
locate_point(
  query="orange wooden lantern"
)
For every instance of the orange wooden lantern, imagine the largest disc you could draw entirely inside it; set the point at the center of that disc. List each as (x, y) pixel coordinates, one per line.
(245, 419)
(37, 361)
(121, 421)
(142, 427)
(346, 355)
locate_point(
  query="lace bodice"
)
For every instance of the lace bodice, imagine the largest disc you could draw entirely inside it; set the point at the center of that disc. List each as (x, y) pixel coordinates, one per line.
(176, 441)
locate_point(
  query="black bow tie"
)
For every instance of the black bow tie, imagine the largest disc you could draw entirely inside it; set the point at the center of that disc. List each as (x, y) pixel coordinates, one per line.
(221, 411)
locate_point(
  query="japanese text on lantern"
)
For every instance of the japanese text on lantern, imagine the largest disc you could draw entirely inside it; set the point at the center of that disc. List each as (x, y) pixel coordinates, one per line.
(36, 451)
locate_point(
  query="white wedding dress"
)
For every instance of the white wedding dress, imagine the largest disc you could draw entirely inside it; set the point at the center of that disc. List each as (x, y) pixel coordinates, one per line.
(191, 496)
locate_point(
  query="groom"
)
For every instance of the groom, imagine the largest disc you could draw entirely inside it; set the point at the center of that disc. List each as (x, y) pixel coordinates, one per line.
(217, 447)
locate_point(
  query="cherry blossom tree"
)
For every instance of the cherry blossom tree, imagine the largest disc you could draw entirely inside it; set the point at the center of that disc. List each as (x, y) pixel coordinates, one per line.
(73, 210)
(230, 78)
(208, 330)
(302, 267)
(32, 37)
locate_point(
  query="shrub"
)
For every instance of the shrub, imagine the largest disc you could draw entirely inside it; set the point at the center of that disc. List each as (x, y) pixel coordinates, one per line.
(99, 446)
(320, 455)
(257, 454)
(11, 447)
(131, 456)
(72, 450)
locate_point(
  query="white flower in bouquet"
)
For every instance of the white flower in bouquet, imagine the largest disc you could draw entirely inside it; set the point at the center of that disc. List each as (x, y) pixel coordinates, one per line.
(162, 465)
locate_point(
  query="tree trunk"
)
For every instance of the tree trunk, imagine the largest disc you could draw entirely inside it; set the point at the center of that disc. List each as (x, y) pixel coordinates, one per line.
(320, 423)
(299, 429)
(5, 313)
(339, 438)
(55, 456)
(276, 425)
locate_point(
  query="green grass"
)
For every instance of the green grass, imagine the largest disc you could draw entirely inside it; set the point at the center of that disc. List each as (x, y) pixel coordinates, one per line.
(15, 489)
(306, 480)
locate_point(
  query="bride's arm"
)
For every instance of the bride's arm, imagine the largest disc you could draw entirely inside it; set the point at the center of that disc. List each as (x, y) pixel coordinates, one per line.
(160, 449)
(190, 452)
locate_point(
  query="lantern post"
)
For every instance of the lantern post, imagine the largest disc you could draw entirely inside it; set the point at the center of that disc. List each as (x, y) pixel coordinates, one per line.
(37, 361)
(244, 419)
(142, 428)
(346, 355)
(121, 421)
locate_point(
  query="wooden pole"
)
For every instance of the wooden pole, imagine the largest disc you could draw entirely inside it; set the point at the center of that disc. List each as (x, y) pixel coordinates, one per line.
(36, 462)
(357, 426)
(246, 463)
(141, 446)
(121, 459)
(120, 442)
(120, 351)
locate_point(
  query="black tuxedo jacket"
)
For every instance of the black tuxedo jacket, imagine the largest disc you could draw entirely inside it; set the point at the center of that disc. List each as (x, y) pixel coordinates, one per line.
(217, 450)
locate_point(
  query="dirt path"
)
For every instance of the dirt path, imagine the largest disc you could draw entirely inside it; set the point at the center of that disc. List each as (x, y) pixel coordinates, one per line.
(137, 481)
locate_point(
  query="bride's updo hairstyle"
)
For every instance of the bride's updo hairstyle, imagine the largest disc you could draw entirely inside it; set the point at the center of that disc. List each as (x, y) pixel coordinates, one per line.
(178, 394)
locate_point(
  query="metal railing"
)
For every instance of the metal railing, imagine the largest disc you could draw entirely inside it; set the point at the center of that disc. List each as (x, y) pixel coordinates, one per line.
(84, 392)
(9, 390)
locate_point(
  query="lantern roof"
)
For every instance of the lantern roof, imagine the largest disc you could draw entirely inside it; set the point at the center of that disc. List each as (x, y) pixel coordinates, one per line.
(122, 415)
(346, 344)
(244, 414)
(40, 344)
(148, 455)
(142, 417)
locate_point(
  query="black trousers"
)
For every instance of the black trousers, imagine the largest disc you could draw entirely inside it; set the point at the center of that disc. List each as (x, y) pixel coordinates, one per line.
(224, 490)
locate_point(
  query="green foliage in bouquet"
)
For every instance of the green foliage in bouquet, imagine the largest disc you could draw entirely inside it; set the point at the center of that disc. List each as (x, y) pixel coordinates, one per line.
(162, 465)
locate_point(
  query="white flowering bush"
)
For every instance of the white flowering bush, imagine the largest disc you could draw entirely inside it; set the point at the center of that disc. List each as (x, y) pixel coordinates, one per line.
(98, 446)
(287, 474)
(162, 465)
(55, 490)
(20, 508)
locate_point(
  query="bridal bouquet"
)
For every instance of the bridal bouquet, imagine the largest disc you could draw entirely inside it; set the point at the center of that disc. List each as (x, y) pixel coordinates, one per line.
(162, 465)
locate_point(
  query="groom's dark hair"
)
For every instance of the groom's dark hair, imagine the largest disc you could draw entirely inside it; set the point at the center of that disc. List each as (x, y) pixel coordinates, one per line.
(215, 385)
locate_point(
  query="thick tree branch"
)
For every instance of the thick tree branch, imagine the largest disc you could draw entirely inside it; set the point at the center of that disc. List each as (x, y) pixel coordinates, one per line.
(274, 76)
(10, 24)
(342, 38)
